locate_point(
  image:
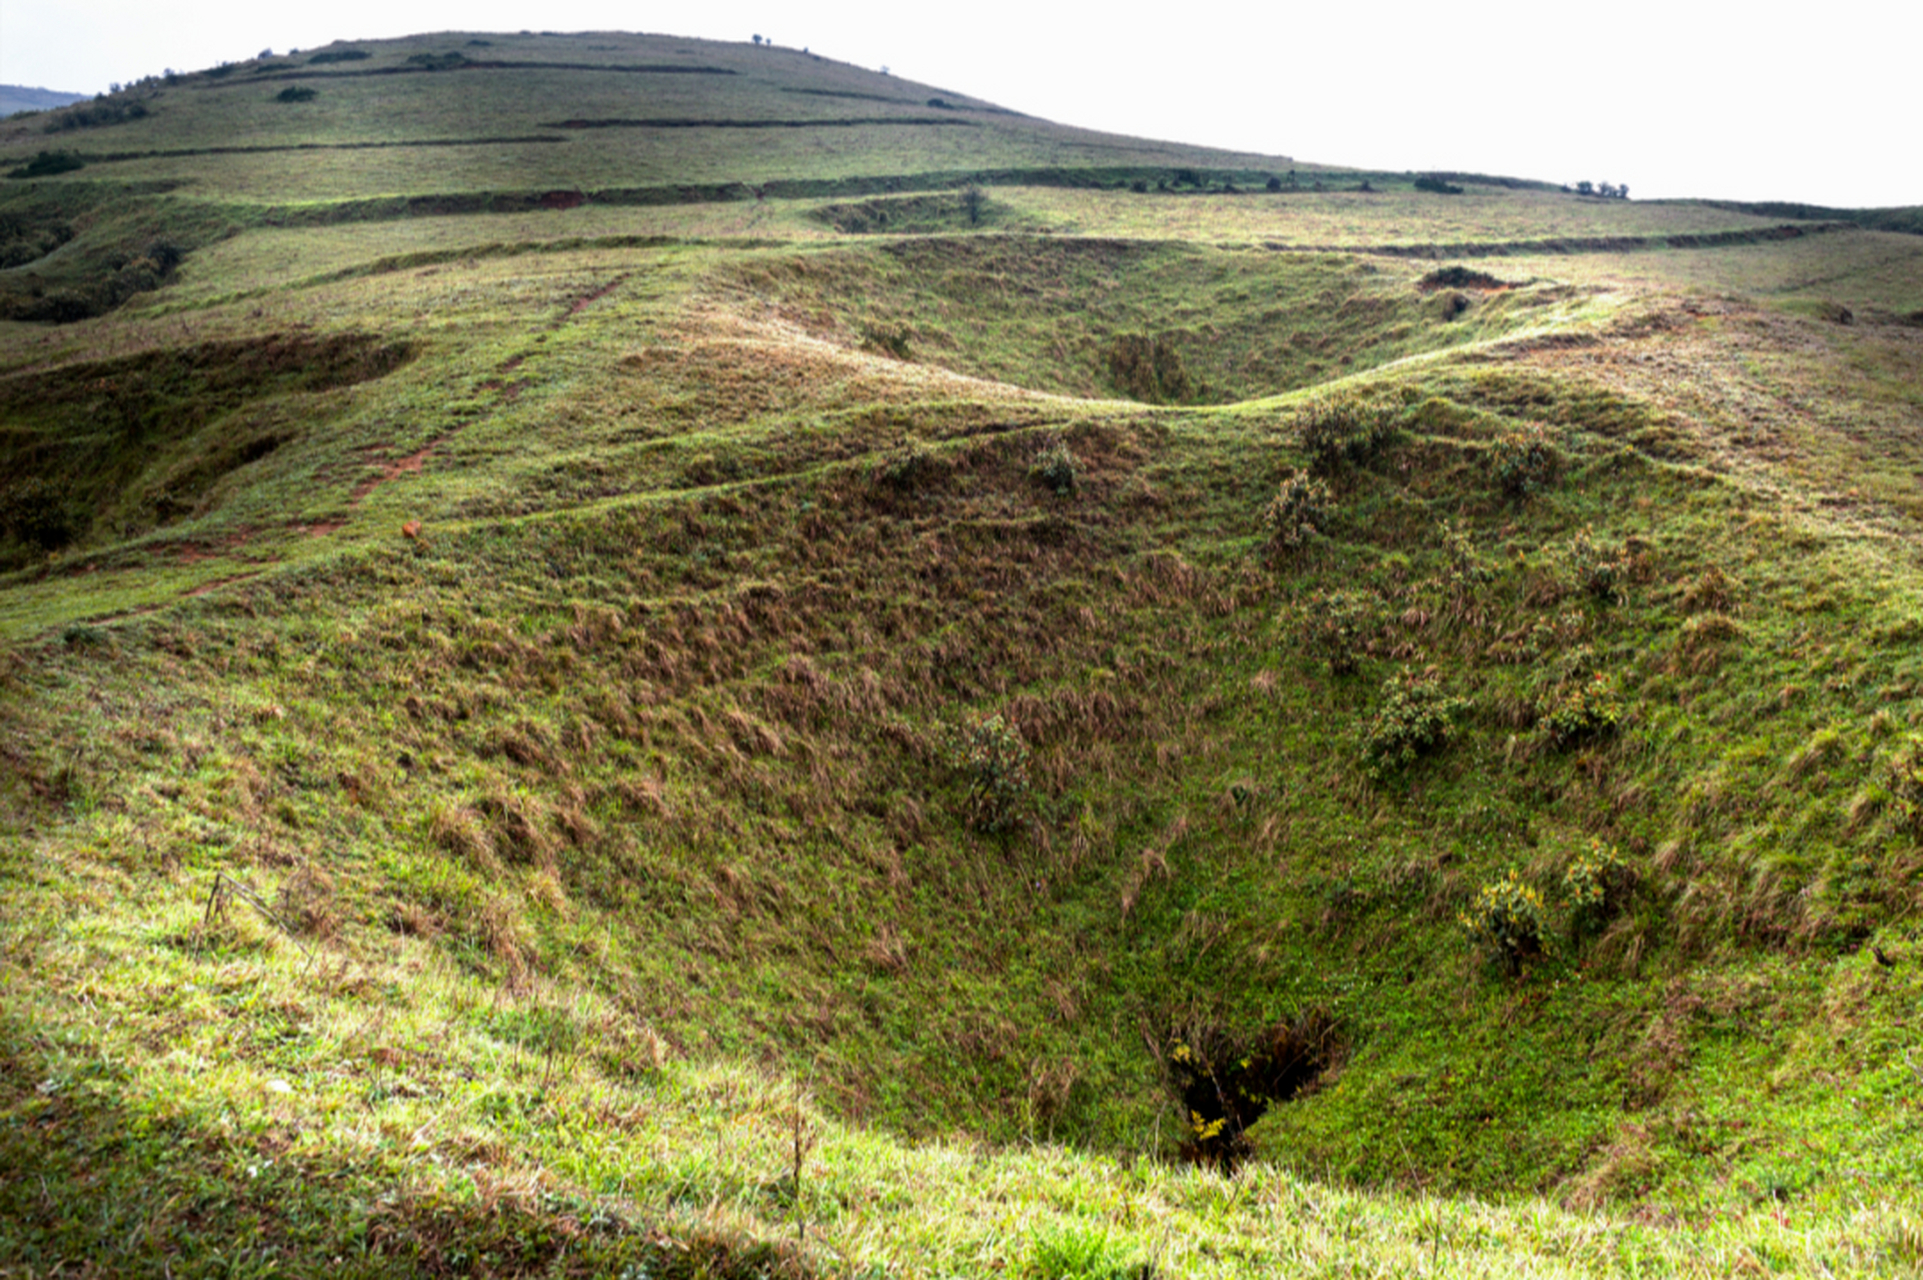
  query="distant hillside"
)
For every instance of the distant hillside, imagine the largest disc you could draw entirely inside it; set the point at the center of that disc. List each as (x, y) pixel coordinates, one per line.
(1905, 219)
(15, 98)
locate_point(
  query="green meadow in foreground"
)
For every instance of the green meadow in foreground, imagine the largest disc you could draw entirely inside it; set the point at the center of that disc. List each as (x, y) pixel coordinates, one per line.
(626, 656)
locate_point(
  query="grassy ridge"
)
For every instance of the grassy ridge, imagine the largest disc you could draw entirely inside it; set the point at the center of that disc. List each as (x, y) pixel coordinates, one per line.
(484, 787)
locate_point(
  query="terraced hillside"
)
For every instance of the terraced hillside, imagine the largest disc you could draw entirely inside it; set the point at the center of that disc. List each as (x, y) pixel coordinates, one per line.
(634, 656)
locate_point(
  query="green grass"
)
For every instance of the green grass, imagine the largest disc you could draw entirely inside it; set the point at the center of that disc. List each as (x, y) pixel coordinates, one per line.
(563, 622)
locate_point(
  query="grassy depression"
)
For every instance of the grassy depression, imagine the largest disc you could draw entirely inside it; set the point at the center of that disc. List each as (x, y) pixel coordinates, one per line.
(853, 728)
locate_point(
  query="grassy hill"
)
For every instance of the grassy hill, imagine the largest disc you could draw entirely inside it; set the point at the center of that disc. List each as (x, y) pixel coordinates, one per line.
(633, 656)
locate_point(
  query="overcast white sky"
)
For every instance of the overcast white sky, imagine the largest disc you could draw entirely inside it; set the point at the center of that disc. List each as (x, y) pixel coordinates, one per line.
(1675, 98)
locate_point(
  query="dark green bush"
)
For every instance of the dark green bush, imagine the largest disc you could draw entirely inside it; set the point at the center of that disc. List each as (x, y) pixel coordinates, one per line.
(1582, 711)
(1436, 185)
(1340, 429)
(1600, 570)
(46, 164)
(1596, 885)
(1299, 513)
(92, 115)
(1057, 467)
(1415, 720)
(297, 93)
(35, 511)
(1464, 571)
(338, 55)
(992, 760)
(1522, 460)
(1507, 921)
(1337, 627)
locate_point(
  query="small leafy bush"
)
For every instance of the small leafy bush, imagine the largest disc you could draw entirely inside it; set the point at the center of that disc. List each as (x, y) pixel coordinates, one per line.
(1436, 184)
(992, 760)
(1600, 570)
(1464, 571)
(1339, 429)
(1596, 885)
(1057, 467)
(1582, 711)
(1415, 719)
(1522, 460)
(297, 93)
(1297, 514)
(1506, 920)
(1337, 626)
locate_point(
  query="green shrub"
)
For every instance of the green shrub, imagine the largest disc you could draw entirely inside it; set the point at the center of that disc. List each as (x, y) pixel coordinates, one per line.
(1338, 429)
(1297, 514)
(438, 61)
(1464, 572)
(48, 163)
(101, 111)
(1415, 719)
(1582, 711)
(1596, 885)
(1600, 570)
(1336, 626)
(1522, 460)
(38, 512)
(993, 763)
(1057, 467)
(297, 93)
(1506, 920)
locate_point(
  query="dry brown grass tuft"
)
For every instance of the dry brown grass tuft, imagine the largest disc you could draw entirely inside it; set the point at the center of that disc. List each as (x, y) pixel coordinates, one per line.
(461, 831)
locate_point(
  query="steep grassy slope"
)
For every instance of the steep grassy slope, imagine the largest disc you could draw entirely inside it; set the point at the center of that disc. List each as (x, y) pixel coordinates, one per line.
(511, 721)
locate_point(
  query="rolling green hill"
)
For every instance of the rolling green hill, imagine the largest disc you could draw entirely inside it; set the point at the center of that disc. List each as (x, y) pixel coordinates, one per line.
(631, 656)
